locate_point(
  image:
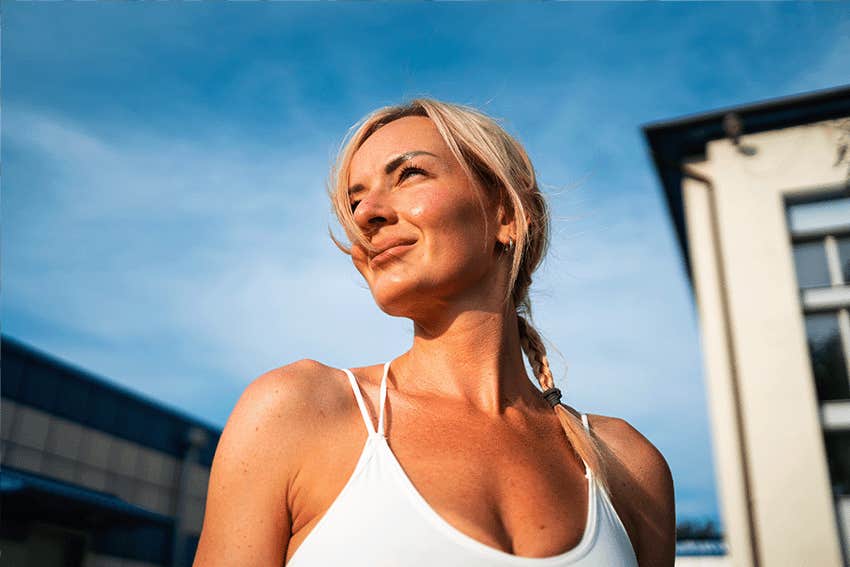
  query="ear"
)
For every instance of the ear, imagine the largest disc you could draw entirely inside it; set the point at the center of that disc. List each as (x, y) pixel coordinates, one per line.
(506, 224)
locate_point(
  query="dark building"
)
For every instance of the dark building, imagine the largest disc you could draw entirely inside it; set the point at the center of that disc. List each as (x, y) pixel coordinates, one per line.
(92, 474)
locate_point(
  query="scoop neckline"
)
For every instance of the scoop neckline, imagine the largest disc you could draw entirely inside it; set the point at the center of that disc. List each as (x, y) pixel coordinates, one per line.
(419, 501)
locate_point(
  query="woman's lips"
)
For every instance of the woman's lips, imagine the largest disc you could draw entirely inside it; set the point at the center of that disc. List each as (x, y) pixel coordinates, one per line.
(390, 254)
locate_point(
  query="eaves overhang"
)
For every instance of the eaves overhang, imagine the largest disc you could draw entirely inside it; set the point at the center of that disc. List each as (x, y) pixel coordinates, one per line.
(671, 142)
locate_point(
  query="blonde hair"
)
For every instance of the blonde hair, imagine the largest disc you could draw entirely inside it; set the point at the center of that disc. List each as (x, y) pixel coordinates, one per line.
(499, 164)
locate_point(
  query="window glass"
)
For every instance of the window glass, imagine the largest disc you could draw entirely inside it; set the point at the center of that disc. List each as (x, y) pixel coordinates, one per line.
(844, 256)
(810, 263)
(827, 356)
(822, 215)
(838, 456)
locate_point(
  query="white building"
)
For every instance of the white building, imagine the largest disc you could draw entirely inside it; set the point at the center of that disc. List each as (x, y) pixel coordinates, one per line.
(760, 199)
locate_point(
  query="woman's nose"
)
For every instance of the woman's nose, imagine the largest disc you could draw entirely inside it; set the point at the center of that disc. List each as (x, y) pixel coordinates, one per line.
(373, 210)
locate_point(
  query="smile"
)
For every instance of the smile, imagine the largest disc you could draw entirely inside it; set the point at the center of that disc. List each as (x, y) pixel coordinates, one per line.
(390, 254)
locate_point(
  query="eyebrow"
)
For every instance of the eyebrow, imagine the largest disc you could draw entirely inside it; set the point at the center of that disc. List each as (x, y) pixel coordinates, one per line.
(391, 166)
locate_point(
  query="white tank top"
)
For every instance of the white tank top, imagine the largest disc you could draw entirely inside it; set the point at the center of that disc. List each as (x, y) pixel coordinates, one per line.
(380, 519)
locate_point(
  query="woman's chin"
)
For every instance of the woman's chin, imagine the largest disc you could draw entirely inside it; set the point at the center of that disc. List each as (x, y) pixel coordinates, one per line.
(397, 300)
(392, 305)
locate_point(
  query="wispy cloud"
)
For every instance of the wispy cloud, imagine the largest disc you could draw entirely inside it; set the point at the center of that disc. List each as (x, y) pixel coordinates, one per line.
(154, 241)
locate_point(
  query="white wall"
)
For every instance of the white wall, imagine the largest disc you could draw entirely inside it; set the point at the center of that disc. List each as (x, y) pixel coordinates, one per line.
(754, 343)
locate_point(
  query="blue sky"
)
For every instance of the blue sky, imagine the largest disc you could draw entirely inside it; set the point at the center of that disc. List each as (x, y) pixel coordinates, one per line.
(164, 165)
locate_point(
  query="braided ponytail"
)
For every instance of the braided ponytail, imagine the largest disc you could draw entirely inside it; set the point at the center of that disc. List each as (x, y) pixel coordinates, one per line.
(584, 444)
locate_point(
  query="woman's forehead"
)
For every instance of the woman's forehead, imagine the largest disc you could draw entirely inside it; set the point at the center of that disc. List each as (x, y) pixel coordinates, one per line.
(408, 134)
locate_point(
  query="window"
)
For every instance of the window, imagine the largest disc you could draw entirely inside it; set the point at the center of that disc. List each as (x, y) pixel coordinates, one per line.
(827, 356)
(812, 267)
(820, 234)
(820, 243)
(838, 447)
(844, 256)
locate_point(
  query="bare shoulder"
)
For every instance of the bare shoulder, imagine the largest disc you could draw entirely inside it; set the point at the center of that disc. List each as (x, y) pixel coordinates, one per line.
(293, 393)
(642, 488)
(246, 520)
(632, 448)
(286, 400)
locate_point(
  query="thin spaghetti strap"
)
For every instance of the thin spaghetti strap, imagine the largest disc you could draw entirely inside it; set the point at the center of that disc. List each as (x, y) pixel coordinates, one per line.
(383, 396)
(359, 396)
(587, 471)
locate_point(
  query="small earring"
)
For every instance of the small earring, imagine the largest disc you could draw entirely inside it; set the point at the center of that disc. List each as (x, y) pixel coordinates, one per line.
(509, 247)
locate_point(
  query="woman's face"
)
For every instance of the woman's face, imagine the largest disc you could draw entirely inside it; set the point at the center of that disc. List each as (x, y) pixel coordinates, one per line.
(414, 202)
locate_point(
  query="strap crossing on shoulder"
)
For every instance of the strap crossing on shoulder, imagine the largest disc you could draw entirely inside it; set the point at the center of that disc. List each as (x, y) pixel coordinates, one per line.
(367, 419)
(360, 403)
(584, 421)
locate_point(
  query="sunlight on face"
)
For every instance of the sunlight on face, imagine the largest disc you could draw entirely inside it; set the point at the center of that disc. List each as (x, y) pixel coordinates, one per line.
(417, 206)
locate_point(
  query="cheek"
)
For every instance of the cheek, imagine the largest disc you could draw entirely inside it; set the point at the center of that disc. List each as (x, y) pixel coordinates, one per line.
(358, 253)
(448, 207)
(456, 227)
(360, 258)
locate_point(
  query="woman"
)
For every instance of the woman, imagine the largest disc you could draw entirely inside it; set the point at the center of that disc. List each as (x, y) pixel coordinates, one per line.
(448, 454)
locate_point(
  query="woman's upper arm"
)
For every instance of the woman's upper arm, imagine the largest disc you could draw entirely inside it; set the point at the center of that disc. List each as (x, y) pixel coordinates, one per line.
(656, 545)
(643, 486)
(246, 520)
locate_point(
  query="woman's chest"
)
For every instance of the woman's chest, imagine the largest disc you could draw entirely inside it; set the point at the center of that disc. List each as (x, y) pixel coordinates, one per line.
(523, 495)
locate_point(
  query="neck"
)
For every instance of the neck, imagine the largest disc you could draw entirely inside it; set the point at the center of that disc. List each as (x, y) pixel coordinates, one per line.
(472, 357)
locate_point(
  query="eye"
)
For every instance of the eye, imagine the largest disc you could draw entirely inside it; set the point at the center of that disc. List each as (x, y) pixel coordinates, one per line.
(409, 170)
(354, 205)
